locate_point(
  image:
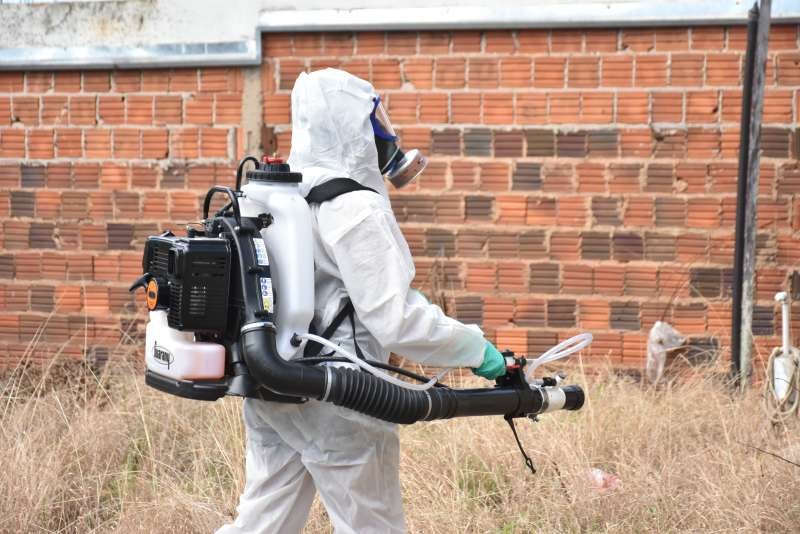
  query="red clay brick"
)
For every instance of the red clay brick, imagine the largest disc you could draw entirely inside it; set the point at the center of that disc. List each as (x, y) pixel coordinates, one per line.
(565, 108)
(499, 41)
(723, 69)
(577, 279)
(199, 110)
(777, 106)
(183, 80)
(481, 277)
(597, 108)
(515, 339)
(12, 143)
(98, 143)
(601, 41)
(434, 43)
(566, 41)
(25, 109)
(617, 71)
(530, 108)
(672, 39)
(139, 109)
(609, 280)
(702, 106)
(636, 143)
(433, 108)
(708, 38)
(418, 72)
(651, 71)
(219, 80)
(515, 72)
(41, 144)
(82, 110)
(155, 80)
(450, 73)
(5, 112)
(565, 246)
(667, 107)
(783, 37)
(686, 70)
(583, 72)
(402, 108)
(632, 107)
(277, 44)
(213, 142)
(512, 276)
(638, 40)
(548, 72)
(127, 81)
(96, 81)
(386, 74)
(38, 82)
(593, 314)
(12, 82)
(498, 108)
(54, 110)
(572, 211)
(467, 41)
(69, 143)
(401, 43)
(512, 209)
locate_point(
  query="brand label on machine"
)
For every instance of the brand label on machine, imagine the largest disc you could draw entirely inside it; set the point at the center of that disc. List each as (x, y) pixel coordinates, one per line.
(266, 294)
(261, 251)
(162, 356)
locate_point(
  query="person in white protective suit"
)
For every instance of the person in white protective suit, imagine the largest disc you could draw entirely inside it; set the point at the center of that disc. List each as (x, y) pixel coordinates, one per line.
(359, 253)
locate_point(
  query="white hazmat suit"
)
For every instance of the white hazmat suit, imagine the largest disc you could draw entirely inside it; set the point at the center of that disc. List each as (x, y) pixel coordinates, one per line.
(360, 253)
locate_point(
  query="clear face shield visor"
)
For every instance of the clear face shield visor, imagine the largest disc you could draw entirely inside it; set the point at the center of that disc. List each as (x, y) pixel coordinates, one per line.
(397, 166)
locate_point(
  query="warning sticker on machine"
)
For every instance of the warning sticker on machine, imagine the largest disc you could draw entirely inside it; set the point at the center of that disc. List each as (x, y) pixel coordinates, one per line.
(261, 251)
(266, 294)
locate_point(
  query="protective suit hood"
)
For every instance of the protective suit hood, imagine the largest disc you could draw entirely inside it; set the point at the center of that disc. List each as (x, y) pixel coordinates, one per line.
(332, 136)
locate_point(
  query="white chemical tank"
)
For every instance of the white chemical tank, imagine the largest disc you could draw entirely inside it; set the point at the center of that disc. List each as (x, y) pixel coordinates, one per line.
(274, 190)
(176, 354)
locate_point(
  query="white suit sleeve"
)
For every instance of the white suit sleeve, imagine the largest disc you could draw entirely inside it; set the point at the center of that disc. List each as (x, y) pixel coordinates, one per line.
(377, 270)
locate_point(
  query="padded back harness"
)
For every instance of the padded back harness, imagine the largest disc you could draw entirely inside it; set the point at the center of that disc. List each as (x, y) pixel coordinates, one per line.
(319, 194)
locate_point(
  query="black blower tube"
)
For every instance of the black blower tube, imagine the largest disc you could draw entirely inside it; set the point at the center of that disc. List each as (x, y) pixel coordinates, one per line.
(363, 392)
(370, 395)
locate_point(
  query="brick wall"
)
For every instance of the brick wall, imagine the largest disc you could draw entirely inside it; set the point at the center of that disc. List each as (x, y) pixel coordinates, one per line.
(91, 163)
(579, 180)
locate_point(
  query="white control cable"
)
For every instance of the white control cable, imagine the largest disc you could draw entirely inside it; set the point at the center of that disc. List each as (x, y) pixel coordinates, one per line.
(562, 350)
(373, 370)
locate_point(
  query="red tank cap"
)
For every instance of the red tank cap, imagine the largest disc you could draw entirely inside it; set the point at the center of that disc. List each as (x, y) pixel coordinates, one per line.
(272, 160)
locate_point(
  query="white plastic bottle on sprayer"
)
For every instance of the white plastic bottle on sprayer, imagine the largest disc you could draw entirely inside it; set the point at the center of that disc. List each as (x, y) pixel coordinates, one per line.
(273, 191)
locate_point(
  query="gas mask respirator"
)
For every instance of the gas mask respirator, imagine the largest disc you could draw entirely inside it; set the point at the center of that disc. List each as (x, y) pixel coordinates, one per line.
(397, 166)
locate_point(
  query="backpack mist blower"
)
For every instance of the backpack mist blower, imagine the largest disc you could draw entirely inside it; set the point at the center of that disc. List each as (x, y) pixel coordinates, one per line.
(231, 304)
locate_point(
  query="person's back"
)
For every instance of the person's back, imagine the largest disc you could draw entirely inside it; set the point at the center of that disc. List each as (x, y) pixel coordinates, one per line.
(360, 257)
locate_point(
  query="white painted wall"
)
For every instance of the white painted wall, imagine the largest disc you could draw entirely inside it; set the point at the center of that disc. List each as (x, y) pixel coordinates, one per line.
(102, 33)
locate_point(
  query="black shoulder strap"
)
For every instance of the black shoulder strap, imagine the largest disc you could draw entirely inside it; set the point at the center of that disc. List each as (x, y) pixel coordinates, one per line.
(333, 188)
(312, 347)
(319, 194)
(348, 311)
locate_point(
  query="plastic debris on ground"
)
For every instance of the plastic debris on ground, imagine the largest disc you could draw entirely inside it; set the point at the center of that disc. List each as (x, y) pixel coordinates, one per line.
(662, 339)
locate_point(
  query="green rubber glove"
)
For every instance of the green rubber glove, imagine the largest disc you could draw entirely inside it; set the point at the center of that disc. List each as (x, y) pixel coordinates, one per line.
(493, 365)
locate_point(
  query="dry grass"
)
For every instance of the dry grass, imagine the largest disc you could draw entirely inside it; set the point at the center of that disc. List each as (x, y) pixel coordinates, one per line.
(90, 452)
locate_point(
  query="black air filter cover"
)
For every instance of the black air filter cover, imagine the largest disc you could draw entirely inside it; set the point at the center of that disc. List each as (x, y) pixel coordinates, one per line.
(196, 273)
